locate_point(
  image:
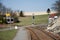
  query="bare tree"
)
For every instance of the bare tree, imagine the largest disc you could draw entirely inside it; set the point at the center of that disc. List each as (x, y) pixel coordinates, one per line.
(56, 6)
(2, 8)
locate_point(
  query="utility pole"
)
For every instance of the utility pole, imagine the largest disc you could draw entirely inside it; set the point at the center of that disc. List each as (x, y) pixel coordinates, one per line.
(33, 17)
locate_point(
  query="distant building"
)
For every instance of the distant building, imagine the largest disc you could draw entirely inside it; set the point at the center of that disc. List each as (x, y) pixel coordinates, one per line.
(52, 15)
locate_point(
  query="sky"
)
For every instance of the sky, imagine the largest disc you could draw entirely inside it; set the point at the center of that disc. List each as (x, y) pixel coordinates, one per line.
(29, 5)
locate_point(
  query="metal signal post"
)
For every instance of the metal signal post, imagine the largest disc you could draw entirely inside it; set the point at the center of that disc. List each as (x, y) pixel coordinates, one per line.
(33, 17)
(48, 11)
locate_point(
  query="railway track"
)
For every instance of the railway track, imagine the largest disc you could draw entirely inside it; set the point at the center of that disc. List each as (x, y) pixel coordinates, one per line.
(33, 35)
(39, 34)
(54, 36)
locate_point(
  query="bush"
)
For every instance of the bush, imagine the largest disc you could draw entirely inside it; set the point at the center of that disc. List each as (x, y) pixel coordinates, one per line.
(16, 20)
(21, 14)
(2, 20)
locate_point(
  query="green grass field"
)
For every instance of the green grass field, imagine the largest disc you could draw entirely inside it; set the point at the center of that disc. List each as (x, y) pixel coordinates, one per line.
(7, 35)
(39, 19)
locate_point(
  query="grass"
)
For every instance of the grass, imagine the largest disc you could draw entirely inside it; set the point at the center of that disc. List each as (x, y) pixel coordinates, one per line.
(39, 19)
(7, 35)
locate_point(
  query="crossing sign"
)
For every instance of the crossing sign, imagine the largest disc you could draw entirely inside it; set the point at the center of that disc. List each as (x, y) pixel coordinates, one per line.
(8, 14)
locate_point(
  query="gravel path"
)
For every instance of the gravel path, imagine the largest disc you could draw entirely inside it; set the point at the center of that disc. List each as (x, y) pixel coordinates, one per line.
(22, 34)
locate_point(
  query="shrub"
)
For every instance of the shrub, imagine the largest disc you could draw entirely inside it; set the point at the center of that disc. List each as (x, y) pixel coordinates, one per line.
(21, 14)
